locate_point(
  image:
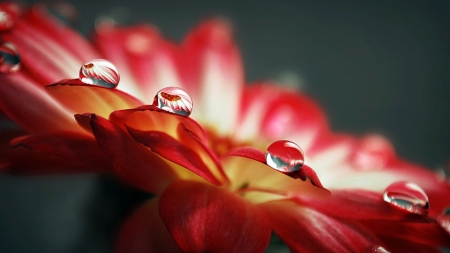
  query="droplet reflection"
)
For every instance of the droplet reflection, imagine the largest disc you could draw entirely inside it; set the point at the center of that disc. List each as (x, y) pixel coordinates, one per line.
(174, 100)
(9, 58)
(407, 196)
(99, 72)
(285, 156)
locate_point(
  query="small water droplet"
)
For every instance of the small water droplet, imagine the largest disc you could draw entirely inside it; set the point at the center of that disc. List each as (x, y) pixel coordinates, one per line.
(9, 13)
(9, 58)
(174, 100)
(407, 196)
(99, 72)
(375, 249)
(285, 156)
(444, 220)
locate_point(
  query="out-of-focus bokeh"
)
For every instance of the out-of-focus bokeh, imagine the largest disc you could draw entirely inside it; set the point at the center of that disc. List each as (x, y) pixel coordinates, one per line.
(374, 66)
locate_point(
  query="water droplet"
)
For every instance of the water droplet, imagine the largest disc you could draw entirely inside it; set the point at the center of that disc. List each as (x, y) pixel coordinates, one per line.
(375, 249)
(174, 100)
(9, 13)
(407, 196)
(9, 58)
(444, 220)
(285, 156)
(99, 72)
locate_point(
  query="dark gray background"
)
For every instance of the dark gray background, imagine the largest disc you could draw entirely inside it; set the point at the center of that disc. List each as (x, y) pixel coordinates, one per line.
(379, 66)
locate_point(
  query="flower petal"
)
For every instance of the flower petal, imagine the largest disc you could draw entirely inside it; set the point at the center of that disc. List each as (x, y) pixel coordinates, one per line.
(169, 148)
(203, 218)
(81, 98)
(359, 204)
(22, 161)
(421, 233)
(144, 232)
(31, 107)
(306, 230)
(213, 73)
(72, 146)
(278, 113)
(151, 118)
(304, 173)
(133, 162)
(396, 245)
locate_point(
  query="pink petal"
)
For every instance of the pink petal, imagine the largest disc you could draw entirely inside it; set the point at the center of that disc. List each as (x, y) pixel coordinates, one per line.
(305, 173)
(359, 205)
(72, 146)
(133, 162)
(306, 230)
(169, 148)
(33, 36)
(213, 73)
(144, 232)
(61, 34)
(278, 113)
(204, 218)
(81, 98)
(31, 107)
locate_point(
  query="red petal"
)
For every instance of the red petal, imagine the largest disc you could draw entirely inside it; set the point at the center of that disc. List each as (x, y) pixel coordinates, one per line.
(144, 232)
(151, 118)
(31, 107)
(63, 35)
(81, 98)
(305, 173)
(278, 113)
(306, 230)
(359, 205)
(213, 72)
(395, 245)
(72, 146)
(21, 161)
(132, 161)
(203, 218)
(420, 233)
(169, 148)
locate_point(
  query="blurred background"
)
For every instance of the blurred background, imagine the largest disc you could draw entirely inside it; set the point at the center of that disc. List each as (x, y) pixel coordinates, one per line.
(373, 66)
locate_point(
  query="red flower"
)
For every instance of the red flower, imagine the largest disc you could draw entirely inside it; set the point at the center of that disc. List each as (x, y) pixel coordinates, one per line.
(215, 191)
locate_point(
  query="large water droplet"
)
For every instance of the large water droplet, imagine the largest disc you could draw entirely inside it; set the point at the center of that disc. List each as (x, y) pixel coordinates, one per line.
(444, 220)
(174, 100)
(99, 72)
(9, 13)
(375, 249)
(285, 156)
(407, 196)
(9, 58)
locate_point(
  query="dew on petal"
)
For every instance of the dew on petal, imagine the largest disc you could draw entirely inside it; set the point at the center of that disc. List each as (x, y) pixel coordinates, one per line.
(174, 100)
(375, 249)
(444, 220)
(9, 13)
(408, 197)
(9, 58)
(99, 72)
(285, 156)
